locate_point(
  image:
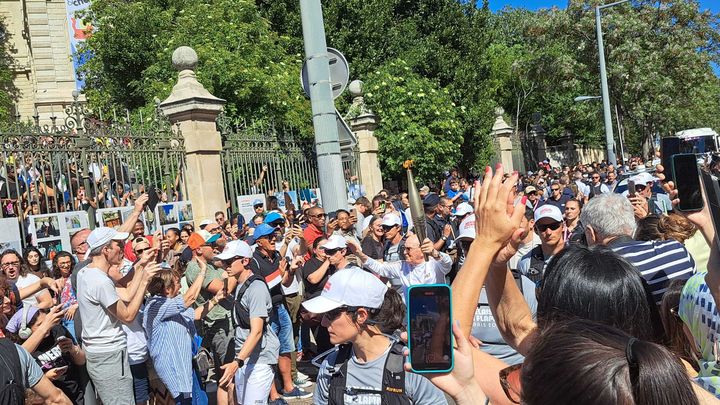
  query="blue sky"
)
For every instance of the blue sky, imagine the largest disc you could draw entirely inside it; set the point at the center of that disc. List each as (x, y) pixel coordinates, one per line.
(713, 5)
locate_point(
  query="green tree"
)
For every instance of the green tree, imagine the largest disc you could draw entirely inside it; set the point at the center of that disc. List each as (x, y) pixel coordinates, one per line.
(240, 58)
(420, 121)
(8, 91)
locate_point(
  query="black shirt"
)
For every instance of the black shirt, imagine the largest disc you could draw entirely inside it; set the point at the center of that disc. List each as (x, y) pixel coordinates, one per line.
(312, 290)
(372, 248)
(48, 356)
(269, 269)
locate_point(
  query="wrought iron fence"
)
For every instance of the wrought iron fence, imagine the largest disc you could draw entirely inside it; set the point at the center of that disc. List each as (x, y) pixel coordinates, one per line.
(260, 158)
(84, 161)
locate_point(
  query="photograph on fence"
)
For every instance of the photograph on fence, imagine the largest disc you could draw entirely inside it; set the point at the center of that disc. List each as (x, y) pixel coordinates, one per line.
(287, 199)
(46, 226)
(10, 237)
(167, 213)
(185, 212)
(50, 248)
(245, 204)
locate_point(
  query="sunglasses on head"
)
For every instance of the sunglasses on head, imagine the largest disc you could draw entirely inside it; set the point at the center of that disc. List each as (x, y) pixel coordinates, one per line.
(542, 228)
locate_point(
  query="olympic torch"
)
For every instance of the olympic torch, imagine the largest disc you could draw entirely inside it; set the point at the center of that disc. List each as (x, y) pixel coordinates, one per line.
(416, 206)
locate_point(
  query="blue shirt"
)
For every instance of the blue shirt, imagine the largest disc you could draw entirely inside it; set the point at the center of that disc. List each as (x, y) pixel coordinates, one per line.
(170, 329)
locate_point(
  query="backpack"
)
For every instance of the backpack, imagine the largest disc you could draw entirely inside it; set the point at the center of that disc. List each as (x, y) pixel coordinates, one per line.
(241, 314)
(536, 271)
(393, 381)
(13, 388)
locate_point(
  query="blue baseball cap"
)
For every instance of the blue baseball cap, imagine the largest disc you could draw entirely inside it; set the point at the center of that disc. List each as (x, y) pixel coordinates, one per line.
(257, 202)
(272, 217)
(263, 230)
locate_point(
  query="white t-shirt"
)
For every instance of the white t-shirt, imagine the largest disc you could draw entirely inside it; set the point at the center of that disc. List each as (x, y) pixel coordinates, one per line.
(136, 341)
(24, 281)
(295, 286)
(101, 332)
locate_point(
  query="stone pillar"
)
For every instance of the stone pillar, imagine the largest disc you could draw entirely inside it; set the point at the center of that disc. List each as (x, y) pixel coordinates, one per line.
(502, 131)
(194, 109)
(538, 133)
(363, 125)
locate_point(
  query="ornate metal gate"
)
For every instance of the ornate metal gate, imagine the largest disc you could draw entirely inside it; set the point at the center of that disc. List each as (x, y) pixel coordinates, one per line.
(84, 161)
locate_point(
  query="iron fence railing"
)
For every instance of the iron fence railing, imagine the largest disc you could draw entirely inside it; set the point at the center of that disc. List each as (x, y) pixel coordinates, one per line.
(85, 161)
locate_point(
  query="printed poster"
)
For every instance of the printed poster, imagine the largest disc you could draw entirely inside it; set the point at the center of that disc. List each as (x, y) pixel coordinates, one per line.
(245, 205)
(286, 198)
(79, 32)
(51, 233)
(10, 237)
(174, 215)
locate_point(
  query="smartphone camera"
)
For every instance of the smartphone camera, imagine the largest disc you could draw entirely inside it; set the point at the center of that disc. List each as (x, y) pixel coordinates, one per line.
(430, 328)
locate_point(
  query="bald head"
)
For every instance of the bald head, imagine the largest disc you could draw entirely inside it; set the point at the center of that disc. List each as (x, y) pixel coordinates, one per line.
(78, 242)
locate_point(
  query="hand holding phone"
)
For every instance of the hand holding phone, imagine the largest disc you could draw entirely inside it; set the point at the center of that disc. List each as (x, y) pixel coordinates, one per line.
(429, 328)
(631, 188)
(687, 182)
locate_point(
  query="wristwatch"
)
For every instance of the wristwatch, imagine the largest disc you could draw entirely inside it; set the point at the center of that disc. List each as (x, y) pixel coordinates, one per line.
(240, 362)
(444, 238)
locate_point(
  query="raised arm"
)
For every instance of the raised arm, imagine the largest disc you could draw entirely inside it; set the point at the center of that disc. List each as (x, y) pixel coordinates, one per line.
(129, 223)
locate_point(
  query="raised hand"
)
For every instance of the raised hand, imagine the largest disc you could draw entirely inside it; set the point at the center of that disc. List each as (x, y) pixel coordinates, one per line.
(496, 217)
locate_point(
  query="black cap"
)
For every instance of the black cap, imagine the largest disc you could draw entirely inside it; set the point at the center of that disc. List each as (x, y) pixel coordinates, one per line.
(431, 200)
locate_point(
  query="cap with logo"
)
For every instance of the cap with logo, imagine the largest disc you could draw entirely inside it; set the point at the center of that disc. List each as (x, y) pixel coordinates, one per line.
(335, 242)
(643, 178)
(466, 230)
(548, 211)
(351, 287)
(391, 220)
(235, 248)
(200, 238)
(530, 189)
(463, 209)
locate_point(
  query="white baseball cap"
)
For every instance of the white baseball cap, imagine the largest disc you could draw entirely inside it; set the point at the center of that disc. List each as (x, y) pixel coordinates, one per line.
(235, 248)
(643, 178)
(206, 222)
(463, 209)
(335, 242)
(391, 220)
(467, 228)
(102, 235)
(351, 287)
(548, 211)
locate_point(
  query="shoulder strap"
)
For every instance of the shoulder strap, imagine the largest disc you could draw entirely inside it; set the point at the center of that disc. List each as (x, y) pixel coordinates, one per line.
(537, 264)
(393, 382)
(338, 379)
(11, 362)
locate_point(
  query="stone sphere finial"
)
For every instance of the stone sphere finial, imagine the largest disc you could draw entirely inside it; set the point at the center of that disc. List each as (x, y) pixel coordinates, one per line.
(499, 111)
(184, 58)
(356, 88)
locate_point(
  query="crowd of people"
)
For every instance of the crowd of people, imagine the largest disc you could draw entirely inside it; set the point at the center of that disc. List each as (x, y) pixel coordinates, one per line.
(567, 288)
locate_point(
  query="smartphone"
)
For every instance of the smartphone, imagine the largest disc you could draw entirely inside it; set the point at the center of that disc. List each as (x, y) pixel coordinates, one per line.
(669, 146)
(382, 205)
(153, 198)
(429, 311)
(631, 188)
(687, 182)
(159, 256)
(61, 338)
(711, 185)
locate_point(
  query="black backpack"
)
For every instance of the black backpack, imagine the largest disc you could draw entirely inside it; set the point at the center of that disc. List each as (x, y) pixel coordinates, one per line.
(393, 381)
(536, 271)
(13, 382)
(242, 316)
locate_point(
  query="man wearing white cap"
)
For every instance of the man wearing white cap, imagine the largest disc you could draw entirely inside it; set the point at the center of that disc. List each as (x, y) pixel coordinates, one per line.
(645, 201)
(550, 226)
(366, 367)
(256, 345)
(336, 250)
(104, 341)
(413, 269)
(392, 230)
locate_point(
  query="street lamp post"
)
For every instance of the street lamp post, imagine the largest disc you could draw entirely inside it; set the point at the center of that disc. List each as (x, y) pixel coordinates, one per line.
(580, 99)
(604, 84)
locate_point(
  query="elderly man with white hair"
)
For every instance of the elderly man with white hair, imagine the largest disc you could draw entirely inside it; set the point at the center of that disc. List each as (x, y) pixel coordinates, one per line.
(609, 220)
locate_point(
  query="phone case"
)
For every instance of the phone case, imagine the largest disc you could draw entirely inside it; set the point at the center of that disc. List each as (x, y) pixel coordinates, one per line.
(452, 338)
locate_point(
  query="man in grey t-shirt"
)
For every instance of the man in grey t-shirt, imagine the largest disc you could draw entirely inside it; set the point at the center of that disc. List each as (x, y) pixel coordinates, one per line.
(257, 347)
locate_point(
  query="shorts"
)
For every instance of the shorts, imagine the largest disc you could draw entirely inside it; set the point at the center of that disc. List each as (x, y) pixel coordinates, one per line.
(141, 382)
(111, 376)
(218, 339)
(282, 326)
(252, 383)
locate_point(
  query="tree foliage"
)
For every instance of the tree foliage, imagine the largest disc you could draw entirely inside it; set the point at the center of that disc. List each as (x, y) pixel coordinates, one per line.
(8, 92)
(241, 59)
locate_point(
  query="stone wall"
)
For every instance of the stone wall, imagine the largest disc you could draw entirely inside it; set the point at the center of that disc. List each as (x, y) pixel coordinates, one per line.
(570, 154)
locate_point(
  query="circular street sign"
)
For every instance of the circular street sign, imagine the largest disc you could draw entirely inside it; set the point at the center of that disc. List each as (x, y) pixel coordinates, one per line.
(339, 73)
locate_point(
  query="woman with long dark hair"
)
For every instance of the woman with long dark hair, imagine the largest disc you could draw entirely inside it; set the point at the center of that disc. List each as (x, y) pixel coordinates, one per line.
(35, 263)
(63, 264)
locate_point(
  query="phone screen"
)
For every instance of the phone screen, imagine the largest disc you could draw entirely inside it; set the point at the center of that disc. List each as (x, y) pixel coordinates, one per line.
(711, 185)
(687, 181)
(631, 188)
(153, 198)
(669, 146)
(429, 328)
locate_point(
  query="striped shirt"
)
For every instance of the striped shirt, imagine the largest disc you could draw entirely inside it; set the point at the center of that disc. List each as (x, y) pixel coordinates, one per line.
(659, 262)
(170, 329)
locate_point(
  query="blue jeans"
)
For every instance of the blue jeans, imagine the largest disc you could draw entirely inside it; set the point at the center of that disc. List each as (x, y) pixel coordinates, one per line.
(281, 324)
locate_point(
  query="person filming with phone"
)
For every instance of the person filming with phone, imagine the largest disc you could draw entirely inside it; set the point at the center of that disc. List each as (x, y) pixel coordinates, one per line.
(367, 366)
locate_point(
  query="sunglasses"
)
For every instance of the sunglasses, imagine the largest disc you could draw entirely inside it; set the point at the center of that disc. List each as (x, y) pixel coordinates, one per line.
(318, 216)
(387, 228)
(229, 262)
(335, 313)
(640, 187)
(269, 238)
(214, 230)
(331, 252)
(510, 382)
(141, 251)
(542, 228)
(277, 223)
(257, 206)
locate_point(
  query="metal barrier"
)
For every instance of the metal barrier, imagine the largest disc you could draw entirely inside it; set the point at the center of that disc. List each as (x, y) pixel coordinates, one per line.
(260, 158)
(84, 161)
